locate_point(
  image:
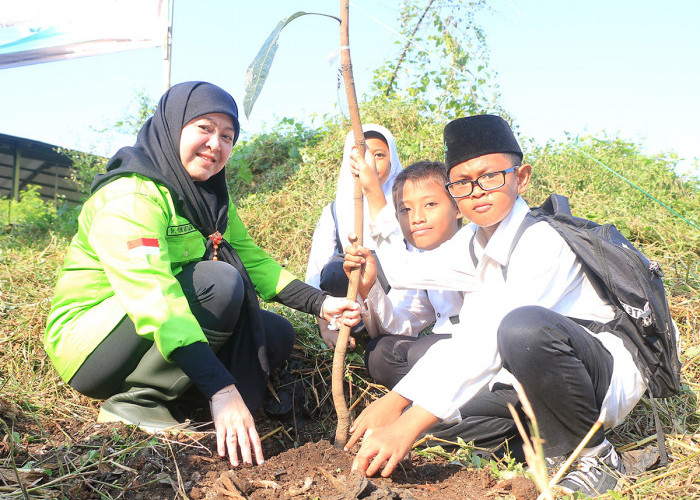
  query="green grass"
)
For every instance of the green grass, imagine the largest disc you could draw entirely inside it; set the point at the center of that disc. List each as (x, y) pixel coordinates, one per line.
(282, 182)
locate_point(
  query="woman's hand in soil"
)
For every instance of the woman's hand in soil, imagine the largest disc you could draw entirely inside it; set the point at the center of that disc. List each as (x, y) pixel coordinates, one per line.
(235, 427)
(388, 445)
(380, 413)
(360, 257)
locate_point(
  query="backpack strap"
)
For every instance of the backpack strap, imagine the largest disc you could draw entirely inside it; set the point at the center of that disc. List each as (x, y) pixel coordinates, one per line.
(338, 246)
(528, 221)
(557, 206)
(660, 436)
(472, 253)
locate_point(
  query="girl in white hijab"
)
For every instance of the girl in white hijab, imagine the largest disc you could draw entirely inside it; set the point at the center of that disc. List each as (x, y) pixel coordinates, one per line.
(325, 266)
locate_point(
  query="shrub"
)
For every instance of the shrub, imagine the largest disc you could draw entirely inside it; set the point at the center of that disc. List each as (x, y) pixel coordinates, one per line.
(264, 162)
(34, 217)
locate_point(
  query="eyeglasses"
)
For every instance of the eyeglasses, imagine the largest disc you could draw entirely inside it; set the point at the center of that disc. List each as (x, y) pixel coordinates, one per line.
(487, 182)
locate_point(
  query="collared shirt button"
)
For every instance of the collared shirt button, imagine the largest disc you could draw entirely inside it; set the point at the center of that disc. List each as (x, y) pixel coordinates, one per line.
(438, 315)
(186, 253)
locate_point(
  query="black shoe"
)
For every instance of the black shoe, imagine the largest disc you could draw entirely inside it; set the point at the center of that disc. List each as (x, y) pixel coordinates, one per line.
(552, 464)
(594, 474)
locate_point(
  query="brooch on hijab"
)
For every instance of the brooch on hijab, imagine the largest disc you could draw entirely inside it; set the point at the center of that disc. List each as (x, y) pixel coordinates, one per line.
(216, 240)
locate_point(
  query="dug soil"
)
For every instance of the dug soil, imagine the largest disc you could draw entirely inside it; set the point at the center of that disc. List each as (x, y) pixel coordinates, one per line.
(66, 458)
(319, 470)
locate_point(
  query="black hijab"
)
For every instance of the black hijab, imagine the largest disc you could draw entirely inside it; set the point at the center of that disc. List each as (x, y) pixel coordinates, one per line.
(156, 155)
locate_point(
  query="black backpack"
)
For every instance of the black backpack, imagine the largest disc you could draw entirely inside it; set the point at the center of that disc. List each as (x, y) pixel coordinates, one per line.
(631, 282)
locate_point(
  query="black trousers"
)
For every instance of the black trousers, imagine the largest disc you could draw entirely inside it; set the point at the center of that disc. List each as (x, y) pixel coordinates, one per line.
(565, 373)
(389, 357)
(214, 291)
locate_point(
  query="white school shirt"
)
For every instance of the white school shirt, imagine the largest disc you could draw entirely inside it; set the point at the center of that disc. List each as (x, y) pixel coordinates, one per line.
(542, 270)
(409, 312)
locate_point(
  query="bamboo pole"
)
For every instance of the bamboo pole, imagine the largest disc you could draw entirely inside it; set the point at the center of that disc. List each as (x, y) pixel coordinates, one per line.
(341, 346)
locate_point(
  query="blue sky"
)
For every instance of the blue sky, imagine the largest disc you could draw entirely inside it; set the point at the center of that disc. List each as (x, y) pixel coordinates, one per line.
(621, 66)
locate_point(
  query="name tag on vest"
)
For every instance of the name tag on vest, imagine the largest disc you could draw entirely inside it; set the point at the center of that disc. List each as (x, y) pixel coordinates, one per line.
(178, 230)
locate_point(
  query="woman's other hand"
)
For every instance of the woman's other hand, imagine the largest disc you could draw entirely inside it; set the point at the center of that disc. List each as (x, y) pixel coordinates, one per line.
(340, 311)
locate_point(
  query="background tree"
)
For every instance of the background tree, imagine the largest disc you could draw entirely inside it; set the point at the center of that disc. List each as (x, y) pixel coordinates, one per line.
(443, 61)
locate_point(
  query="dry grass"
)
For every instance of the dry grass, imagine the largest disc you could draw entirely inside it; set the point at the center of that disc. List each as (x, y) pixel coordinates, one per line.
(36, 406)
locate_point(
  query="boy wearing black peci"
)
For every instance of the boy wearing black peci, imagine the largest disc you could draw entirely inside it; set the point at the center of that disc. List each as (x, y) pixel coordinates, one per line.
(518, 325)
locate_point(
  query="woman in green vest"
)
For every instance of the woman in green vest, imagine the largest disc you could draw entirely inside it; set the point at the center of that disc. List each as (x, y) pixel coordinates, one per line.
(159, 286)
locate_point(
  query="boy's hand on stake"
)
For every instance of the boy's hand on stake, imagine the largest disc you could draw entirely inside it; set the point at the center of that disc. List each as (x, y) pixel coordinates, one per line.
(361, 257)
(369, 178)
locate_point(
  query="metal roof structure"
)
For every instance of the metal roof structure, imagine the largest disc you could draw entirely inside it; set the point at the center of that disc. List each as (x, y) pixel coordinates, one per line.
(25, 162)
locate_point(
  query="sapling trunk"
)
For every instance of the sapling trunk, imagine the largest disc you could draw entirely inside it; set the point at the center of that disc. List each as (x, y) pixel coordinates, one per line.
(341, 407)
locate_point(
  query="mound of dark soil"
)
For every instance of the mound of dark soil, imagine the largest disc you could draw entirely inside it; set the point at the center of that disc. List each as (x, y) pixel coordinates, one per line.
(71, 458)
(318, 470)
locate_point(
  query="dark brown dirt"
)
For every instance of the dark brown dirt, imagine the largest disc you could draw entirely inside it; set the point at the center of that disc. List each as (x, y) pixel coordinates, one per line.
(67, 458)
(318, 470)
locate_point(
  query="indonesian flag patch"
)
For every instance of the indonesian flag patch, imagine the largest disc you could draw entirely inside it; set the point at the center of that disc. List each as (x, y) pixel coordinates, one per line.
(147, 246)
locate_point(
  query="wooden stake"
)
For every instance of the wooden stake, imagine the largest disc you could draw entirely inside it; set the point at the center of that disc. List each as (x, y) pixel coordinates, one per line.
(341, 346)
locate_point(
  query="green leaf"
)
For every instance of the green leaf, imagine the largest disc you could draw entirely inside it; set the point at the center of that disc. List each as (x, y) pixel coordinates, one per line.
(257, 72)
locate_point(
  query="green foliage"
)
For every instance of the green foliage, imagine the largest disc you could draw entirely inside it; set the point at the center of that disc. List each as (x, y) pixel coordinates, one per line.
(33, 216)
(145, 107)
(598, 194)
(282, 220)
(31, 209)
(264, 162)
(259, 68)
(462, 454)
(85, 167)
(445, 62)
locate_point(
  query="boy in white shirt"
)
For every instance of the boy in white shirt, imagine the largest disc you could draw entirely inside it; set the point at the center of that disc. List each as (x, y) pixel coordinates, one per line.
(527, 323)
(428, 217)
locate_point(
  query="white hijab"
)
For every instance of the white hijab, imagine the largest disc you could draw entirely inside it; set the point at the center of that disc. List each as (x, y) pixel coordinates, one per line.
(344, 203)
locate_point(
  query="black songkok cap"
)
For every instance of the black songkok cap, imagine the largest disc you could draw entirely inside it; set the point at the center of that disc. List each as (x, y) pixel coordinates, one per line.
(473, 136)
